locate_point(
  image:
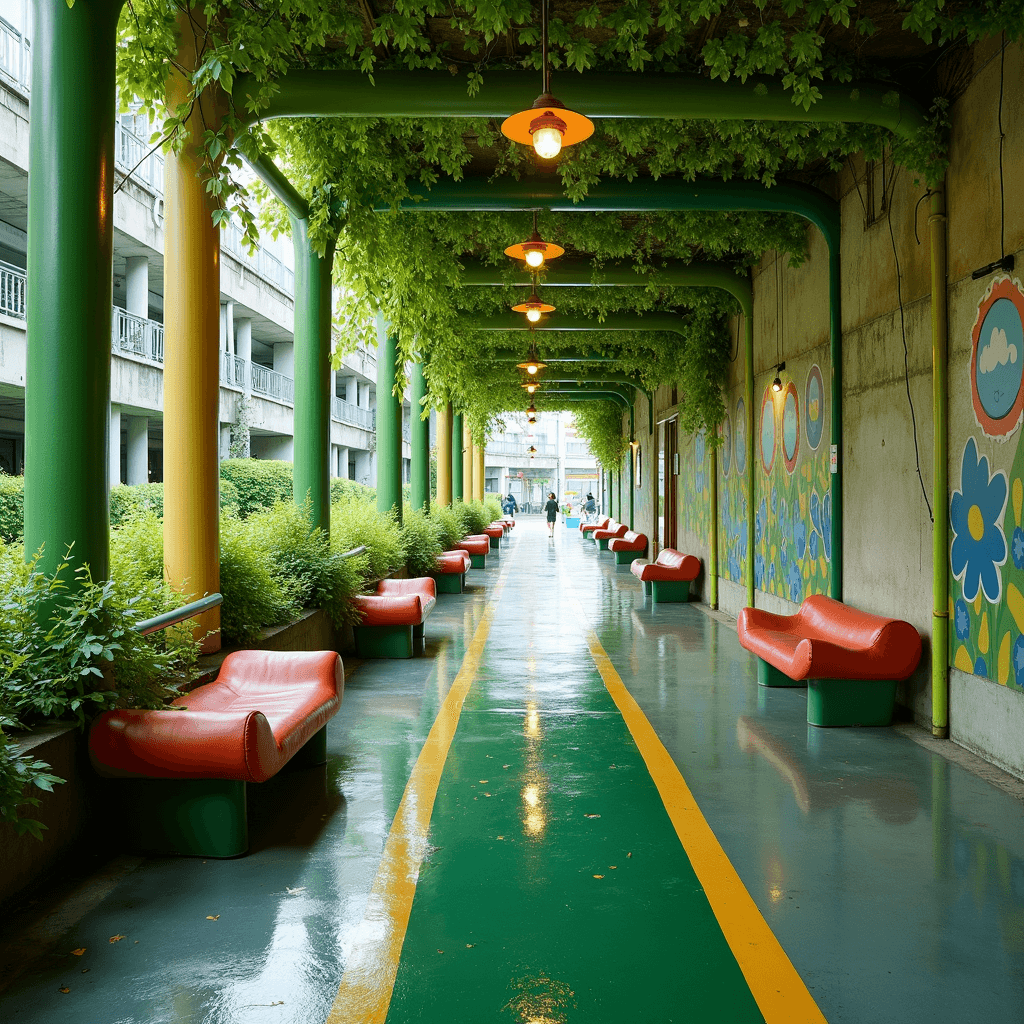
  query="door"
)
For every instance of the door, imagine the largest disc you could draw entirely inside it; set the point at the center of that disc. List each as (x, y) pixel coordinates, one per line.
(670, 489)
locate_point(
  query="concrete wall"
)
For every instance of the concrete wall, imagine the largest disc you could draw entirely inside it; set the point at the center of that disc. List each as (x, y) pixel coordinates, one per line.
(888, 439)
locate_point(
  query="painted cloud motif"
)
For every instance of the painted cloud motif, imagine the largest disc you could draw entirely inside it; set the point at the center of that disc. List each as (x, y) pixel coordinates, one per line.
(998, 352)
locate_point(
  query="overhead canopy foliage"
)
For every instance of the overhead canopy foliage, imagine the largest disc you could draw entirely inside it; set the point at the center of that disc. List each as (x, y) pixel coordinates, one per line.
(408, 264)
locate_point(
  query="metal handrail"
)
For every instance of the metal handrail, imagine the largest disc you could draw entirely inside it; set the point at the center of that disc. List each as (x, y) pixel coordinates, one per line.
(361, 550)
(171, 618)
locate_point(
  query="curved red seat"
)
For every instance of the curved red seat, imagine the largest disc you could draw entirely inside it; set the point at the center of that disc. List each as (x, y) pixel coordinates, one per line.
(586, 528)
(475, 544)
(629, 541)
(398, 602)
(611, 531)
(829, 639)
(245, 725)
(670, 566)
(453, 562)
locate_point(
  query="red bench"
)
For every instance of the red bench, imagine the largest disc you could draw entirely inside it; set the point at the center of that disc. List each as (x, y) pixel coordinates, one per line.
(668, 577)
(601, 524)
(627, 546)
(477, 544)
(450, 574)
(393, 617)
(851, 660)
(494, 533)
(182, 775)
(610, 532)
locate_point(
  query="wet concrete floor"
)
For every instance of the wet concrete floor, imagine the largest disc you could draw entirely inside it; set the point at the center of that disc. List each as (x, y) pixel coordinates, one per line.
(552, 887)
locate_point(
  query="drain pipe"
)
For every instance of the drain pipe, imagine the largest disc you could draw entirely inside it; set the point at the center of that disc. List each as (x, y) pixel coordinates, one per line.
(713, 553)
(940, 467)
(748, 416)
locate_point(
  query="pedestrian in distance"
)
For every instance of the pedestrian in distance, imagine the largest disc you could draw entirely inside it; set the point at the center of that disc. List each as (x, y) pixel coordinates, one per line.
(510, 507)
(551, 508)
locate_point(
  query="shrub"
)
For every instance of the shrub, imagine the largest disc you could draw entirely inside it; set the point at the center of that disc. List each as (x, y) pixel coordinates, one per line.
(255, 594)
(448, 526)
(258, 482)
(321, 578)
(492, 506)
(12, 508)
(420, 542)
(126, 500)
(472, 516)
(340, 488)
(355, 521)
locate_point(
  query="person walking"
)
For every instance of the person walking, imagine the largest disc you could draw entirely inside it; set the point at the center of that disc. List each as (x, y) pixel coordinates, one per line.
(551, 508)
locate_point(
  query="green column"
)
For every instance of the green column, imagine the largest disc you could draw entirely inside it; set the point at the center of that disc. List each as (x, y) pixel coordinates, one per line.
(389, 433)
(311, 459)
(457, 457)
(419, 469)
(836, 354)
(70, 272)
(632, 463)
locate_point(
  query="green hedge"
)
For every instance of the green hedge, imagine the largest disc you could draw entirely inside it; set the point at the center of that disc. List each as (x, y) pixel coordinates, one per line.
(259, 482)
(12, 508)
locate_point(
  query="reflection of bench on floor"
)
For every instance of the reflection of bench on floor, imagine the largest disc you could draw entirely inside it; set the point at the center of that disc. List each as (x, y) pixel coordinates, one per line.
(628, 546)
(450, 574)
(690, 634)
(607, 533)
(893, 800)
(668, 577)
(182, 775)
(393, 617)
(477, 544)
(851, 660)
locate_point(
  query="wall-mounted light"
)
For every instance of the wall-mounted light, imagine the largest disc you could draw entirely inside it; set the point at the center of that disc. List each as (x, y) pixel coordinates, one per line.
(1005, 264)
(531, 451)
(777, 383)
(548, 125)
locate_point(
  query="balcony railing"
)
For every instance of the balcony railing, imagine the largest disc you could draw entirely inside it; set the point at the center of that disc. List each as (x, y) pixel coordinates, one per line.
(232, 370)
(129, 151)
(271, 384)
(15, 56)
(137, 336)
(262, 262)
(12, 291)
(577, 449)
(518, 448)
(346, 412)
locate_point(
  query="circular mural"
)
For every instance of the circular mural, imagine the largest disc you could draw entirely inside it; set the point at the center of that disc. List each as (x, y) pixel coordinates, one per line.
(814, 407)
(726, 445)
(997, 360)
(790, 427)
(768, 430)
(740, 438)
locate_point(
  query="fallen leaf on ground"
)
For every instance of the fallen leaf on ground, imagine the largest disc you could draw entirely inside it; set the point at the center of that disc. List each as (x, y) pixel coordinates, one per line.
(612, 867)
(440, 951)
(483, 782)
(116, 938)
(64, 989)
(470, 945)
(78, 952)
(591, 815)
(213, 917)
(487, 794)
(506, 766)
(599, 876)
(86, 970)
(301, 888)
(501, 837)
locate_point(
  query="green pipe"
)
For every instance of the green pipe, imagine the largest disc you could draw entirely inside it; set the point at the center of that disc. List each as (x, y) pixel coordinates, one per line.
(419, 436)
(713, 552)
(457, 457)
(305, 93)
(554, 322)
(569, 273)
(940, 467)
(389, 434)
(836, 358)
(748, 416)
(70, 290)
(593, 396)
(632, 463)
(311, 457)
(281, 187)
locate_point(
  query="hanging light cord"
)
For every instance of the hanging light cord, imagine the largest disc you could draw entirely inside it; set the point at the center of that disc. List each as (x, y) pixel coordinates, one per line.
(546, 76)
(1002, 136)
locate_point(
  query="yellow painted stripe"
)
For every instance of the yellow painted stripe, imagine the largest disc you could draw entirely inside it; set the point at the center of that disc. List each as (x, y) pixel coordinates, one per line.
(372, 964)
(780, 992)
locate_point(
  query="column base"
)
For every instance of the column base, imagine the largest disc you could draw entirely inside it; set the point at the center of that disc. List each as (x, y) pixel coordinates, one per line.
(670, 591)
(450, 582)
(478, 561)
(839, 702)
(628, 557)
(769, 675)
(383, 641)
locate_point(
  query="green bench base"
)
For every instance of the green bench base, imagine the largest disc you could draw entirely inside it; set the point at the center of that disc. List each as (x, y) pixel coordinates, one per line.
(494, 543)
(478, 561)
(837, 702)
(769, 675)
(450, 582)
(667, 591)
(602, 543)
(384, 641)
(195, 817)
(627, 557)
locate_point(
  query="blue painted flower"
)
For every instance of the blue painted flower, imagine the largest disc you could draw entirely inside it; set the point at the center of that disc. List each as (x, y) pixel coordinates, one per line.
(980, 668)
(784, 518)
(800, 536)
(1017, 547)
(1017, 657)
(826, 525)
(771, 574)
(759, 570)
(962, 620)
(814, 545)
(796, 583)
(976, 517)
(784, 554)
(775, 501)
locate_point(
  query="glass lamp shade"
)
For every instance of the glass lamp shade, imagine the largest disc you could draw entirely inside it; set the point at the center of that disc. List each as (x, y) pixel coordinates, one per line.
(548, 126)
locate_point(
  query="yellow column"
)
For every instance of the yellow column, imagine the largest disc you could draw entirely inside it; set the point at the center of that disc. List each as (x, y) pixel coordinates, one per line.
(444, 455)
(478, 471)
(191, 355)
(467, 464)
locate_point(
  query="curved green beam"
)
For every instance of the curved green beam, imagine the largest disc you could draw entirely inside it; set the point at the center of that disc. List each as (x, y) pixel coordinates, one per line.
(667, 194)
(581, 274)
(311, 93)
(671, 322)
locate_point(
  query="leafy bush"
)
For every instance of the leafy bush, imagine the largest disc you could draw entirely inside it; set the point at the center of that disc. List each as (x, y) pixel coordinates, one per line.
(255, 593)
(12, 508)
(126, 500)
(420, 542)
(492, 506)
(258, 482)
(340, 488)
(355, 521)
(320, 577)
(472, 516)
(448, 526)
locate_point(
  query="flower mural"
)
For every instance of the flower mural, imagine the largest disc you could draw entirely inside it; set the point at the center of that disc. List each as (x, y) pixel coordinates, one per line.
(976, 518)
(962, 620)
